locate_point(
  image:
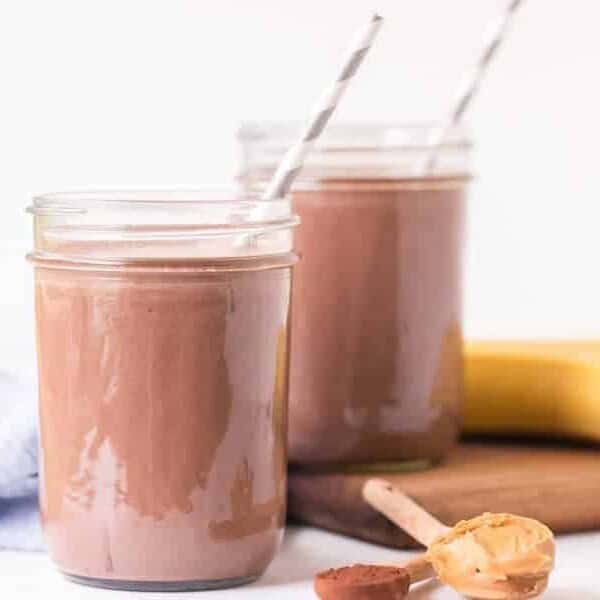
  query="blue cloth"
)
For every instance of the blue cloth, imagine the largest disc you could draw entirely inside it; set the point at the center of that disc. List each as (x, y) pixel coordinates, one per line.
(19, 516)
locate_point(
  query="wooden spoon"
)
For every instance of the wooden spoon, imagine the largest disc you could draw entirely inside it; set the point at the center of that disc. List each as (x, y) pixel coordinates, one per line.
(493, 556)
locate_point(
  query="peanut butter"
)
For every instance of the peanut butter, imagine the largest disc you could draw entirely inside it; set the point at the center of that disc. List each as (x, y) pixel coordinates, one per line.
(495, 556)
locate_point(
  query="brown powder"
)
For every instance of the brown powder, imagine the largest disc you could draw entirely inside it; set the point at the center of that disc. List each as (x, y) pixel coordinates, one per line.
(362, 582)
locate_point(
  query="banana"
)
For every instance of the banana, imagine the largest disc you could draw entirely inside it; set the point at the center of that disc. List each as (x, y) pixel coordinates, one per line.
(539, 388)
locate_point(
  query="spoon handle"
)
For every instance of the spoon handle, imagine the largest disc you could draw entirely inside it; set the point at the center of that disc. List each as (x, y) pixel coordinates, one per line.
(401, 510)
(419, 569)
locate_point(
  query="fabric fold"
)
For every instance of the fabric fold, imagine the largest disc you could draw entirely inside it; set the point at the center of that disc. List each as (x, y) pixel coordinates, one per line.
(19, 515)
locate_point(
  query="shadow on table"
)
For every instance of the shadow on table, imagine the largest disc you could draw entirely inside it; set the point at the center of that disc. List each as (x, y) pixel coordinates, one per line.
(423, 591)
(299, 561)
(296, 562)
(566, 594)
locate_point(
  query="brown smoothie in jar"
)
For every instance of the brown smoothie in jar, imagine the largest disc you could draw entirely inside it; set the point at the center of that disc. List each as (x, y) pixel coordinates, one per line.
(162, 407)
(376, 371)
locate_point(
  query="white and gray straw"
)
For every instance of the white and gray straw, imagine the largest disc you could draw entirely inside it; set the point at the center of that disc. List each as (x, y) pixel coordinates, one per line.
(469, 84)
(294, 158)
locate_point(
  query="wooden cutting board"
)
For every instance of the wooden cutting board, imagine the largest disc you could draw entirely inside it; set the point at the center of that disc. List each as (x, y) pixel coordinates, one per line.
(557, 485)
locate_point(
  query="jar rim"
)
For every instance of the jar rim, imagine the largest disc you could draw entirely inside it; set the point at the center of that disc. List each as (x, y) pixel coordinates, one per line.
(177, 266)
(351, 136)
(138, 225)
(80, 202)
(357, 150)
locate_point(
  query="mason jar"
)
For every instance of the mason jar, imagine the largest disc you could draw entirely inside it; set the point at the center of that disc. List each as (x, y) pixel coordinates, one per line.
(162, 335)
(376, 376)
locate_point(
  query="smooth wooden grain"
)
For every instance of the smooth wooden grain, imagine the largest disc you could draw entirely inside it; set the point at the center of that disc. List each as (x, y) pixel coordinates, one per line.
(402, 510)
(559, 486)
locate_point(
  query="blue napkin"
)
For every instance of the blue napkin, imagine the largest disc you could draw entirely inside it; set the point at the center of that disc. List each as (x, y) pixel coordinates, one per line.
(19, 516)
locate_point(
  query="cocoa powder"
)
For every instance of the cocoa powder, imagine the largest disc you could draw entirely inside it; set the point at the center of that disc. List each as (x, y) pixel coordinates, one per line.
(362, 582)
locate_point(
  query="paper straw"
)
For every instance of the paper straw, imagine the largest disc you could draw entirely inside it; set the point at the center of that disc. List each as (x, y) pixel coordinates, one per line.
(469, 84)
(294, 158)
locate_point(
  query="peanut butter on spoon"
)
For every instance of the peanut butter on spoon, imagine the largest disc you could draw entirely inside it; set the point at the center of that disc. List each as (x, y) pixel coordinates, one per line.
(493, 556)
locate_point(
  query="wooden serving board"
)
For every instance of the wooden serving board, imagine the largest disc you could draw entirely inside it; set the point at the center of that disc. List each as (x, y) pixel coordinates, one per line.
(557, 485)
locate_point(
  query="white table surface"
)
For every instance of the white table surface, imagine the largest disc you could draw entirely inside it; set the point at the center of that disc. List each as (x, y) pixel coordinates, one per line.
(27, 576)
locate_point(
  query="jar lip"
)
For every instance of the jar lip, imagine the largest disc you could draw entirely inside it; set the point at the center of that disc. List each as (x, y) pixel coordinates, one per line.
(209, 221)
(156, 199)
(354, 135)
(192, 266)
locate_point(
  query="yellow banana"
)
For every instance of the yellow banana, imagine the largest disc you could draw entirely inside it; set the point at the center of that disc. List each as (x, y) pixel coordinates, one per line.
(545, 388)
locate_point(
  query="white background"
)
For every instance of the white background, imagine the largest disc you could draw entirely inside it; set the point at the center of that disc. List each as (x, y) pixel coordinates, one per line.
(147, 93)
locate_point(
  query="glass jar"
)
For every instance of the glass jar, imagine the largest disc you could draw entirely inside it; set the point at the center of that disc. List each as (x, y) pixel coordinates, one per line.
(376, 373)
(162, 335)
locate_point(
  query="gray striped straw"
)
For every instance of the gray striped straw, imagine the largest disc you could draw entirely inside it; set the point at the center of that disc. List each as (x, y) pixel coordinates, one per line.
(469, 85)
(294, 158)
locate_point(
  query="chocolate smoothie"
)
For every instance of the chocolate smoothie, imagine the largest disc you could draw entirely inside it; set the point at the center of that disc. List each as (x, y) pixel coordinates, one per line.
(376, 371)
(162, 408)
(163, 394)
(376, 360)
